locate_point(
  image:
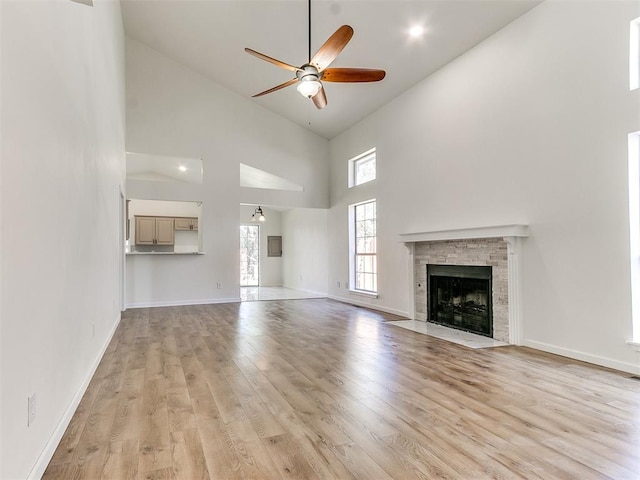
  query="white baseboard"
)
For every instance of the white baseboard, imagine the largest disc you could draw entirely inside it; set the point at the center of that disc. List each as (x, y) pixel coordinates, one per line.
(311, 292)
(306, 290)
(179, 303)
(381, 308)
(584, 357)
(47, 453)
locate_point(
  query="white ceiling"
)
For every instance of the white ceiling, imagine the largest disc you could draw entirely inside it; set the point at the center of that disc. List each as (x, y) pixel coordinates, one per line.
(210, 35)
(159, 168)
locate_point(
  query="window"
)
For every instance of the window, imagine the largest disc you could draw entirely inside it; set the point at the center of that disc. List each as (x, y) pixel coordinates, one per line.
(249, 255)
(634, 188)
(362, 169)
(634, 55)
(364, 269)
(634, 229)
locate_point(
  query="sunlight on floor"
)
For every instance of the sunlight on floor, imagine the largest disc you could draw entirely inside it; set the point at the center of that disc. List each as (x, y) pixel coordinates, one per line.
(255, 294)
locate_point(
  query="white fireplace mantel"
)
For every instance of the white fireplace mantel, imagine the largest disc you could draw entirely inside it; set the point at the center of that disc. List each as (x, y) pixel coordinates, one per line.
(495, 231)
(512, 235)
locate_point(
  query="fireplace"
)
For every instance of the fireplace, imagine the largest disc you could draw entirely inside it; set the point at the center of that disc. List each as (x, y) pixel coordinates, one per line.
(498, 247)
(459, 296)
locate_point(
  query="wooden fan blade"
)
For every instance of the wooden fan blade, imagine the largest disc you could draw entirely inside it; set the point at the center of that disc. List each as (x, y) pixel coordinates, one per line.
(332, 47)
(352, 75)
(282, 85)
(320, 99)
(276, 62)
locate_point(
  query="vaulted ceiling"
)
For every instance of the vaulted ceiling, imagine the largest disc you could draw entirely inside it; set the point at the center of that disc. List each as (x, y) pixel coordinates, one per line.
(209, 36)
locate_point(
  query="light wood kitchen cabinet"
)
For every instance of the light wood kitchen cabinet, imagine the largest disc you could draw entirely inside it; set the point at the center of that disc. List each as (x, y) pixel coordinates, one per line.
(164, 231)
(186, 223)
(154, 231)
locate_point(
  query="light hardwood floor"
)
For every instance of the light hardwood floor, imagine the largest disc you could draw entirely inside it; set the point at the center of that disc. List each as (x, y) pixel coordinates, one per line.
(311, 389)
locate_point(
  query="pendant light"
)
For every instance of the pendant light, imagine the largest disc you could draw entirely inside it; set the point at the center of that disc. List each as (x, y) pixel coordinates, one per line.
(258, 215)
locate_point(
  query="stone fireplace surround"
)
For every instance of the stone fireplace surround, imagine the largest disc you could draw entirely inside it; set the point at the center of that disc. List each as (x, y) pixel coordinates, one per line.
(495, 246)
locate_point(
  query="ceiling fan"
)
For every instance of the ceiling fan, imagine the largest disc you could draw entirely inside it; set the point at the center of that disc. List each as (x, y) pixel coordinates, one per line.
(309, 76)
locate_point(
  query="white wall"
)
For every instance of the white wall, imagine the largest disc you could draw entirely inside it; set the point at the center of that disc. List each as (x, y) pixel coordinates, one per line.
(63, 165)
(172, 110)
(528, 127)
(270, 267)
(304, 249)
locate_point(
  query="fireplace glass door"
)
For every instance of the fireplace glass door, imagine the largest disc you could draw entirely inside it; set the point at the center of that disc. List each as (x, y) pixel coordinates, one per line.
(460, 297)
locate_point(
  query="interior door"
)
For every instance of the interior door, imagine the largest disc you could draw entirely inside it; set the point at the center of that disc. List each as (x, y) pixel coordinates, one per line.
(249, 255)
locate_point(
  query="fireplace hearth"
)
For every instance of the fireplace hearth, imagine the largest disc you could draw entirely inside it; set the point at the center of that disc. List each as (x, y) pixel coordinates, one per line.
(459, 296)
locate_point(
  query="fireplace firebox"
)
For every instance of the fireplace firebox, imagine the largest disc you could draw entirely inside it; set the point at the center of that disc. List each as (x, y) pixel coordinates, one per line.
(459, 296)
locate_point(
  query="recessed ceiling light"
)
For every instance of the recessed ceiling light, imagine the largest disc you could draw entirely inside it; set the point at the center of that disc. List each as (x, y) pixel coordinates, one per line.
(416, 31)
(182, 168)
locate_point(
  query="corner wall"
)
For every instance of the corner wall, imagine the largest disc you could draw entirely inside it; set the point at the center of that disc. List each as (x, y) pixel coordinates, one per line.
(305, 250)
(62, 154)
(529, 127)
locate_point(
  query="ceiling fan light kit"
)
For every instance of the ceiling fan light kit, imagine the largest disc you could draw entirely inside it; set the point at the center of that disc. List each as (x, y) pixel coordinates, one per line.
(309, 76)
(309, 85)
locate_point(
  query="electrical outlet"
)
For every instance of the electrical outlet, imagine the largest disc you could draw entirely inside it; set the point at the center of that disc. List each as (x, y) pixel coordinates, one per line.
(219, 284)
(346, 285)
(338, 283)
(31, 410)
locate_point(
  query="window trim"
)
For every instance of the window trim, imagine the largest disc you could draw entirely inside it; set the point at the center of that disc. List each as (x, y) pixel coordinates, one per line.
(634, 54)
(369, 154)
(634, 232)
(352, 250)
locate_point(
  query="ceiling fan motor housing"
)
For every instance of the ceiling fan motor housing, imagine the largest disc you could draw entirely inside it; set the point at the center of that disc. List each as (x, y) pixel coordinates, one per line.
(308, 73)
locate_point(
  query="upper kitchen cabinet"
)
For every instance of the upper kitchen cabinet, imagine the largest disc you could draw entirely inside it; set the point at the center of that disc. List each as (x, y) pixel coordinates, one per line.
(154, 231)
(185, 223)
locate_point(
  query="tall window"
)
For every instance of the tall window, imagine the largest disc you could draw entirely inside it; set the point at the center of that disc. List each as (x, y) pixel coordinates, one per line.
(634, 185)
(634, 230)
(362, 169)
(249, 255)
(365, 269)
(634, 55)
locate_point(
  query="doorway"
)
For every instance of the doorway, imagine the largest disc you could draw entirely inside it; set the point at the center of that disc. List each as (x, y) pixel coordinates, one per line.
(249, 255)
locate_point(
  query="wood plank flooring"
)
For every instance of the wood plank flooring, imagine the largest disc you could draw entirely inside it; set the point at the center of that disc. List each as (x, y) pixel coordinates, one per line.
(316, 389)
